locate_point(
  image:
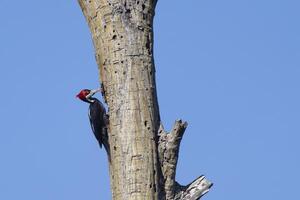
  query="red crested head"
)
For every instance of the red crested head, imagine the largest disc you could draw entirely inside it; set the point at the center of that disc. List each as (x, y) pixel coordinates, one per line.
(82, 95)
(86, 95)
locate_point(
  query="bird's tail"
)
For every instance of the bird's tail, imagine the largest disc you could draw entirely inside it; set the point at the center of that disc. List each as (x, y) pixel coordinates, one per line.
(104, 140)
(107, 149)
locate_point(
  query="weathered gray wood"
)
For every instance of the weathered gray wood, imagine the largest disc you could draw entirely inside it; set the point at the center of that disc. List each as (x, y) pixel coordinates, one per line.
(122, 36)
(168, 150)
(123, 39)
(194, 190)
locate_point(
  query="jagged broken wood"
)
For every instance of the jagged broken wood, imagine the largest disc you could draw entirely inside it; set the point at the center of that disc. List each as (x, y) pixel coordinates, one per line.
(168, 153)
(194, 190)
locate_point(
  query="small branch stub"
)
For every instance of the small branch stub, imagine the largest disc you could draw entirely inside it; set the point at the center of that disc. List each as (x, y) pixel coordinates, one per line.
(168, 150)
(194, 190)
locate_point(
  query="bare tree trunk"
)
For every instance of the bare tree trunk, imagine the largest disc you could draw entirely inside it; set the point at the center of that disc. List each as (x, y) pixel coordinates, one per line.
(143, 156)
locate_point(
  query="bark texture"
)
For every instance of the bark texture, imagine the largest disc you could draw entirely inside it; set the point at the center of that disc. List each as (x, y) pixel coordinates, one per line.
(143, 155)
(168, 150)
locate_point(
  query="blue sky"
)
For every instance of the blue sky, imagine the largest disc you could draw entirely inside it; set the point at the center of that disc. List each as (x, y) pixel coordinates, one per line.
(230, 68)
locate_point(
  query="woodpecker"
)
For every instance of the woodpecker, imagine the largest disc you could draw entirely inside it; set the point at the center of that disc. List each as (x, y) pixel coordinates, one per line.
(97, 116)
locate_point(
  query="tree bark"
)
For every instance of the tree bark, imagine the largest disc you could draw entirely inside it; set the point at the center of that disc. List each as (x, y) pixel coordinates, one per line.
(143, 156)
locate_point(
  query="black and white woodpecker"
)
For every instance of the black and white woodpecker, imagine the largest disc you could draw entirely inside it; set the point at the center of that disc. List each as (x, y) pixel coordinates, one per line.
(97, 115)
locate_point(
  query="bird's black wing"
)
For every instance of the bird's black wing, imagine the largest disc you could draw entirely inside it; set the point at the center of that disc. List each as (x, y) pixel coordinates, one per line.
(97, 116)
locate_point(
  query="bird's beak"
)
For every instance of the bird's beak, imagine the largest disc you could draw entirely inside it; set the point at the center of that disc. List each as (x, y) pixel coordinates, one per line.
(98, 89)
(92, 92)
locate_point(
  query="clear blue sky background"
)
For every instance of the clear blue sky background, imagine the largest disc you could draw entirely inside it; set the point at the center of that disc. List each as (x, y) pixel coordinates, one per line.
(230, 68)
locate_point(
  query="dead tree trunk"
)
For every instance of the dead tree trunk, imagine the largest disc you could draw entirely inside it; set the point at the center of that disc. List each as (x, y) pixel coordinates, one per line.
(143, 155)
